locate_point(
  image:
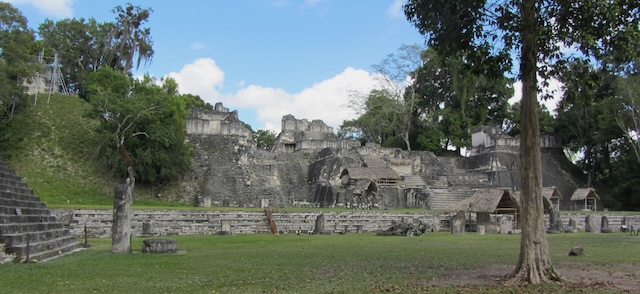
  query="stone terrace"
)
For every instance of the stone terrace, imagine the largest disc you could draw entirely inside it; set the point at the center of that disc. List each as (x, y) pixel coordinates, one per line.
(27, 227)
(208, 222)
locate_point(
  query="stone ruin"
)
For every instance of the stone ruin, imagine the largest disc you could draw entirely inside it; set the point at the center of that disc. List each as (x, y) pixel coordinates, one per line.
(402, 228)
(309, 166)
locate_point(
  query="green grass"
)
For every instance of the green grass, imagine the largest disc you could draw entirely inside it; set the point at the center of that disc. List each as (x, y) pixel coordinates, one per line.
(55, 153)
(353, 263)
(54, 149)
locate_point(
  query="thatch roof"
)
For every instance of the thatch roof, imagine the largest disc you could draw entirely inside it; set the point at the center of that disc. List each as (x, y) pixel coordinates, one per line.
(365, 185)
(551, 192)
(357, 173)
(547, 194)
(583, 193)
(487, 200)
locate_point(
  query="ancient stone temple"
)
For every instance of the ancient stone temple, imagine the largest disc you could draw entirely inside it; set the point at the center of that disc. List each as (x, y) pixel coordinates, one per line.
(217, 122)
(302, 135)
(310, 166)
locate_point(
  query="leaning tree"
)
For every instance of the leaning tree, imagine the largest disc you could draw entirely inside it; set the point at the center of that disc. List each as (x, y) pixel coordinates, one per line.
(543, 34)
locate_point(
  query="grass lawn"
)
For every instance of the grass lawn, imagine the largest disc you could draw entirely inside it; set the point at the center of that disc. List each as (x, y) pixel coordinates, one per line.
(352, 263)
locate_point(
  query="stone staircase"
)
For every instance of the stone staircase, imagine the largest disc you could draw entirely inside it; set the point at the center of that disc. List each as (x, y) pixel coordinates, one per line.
(454, 184)
(28, 229)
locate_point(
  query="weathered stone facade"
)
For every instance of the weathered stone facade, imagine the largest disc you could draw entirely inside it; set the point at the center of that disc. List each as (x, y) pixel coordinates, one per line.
(302, 135)
(219, 122)
(308, 165)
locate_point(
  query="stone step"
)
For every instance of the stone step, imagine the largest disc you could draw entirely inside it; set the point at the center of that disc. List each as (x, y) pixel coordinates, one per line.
(14, 218)
(6, 170)
(24, 210)
(24, 219)
(48, 250)
(41, 246)
(7, 202)
(21, 238)
(9, 176)
(13, 189)
(26, 227)
(19, 196)
(12, 182)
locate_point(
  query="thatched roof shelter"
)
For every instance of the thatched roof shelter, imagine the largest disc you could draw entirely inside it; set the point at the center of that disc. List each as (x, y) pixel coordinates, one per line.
(485, 202)
(553, 195)
(584, 193)
(585, 198)
(550, 198)
(488, 201)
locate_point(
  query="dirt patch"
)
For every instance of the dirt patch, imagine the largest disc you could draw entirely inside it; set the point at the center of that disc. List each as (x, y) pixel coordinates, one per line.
(616, 277)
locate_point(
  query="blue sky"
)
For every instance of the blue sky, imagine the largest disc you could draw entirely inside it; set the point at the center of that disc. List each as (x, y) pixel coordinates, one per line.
(264, 58)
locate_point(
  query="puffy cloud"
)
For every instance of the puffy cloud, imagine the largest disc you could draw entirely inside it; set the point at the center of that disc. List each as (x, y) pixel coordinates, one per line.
(56, 8)
(202, 77)
(326, 100)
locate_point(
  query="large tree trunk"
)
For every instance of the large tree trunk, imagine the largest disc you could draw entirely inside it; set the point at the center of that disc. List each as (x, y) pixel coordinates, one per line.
(534, 264)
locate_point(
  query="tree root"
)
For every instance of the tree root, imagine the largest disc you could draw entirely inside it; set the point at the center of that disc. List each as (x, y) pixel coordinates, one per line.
(532, 275)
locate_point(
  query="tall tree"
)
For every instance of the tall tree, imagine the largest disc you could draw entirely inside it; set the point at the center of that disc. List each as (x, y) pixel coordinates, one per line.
(395, 74)
(456, 98)
(133, 42)
(380, 118)
(148, 122)
(535, 29)
(86, 45)
(17, 43)
(627, 116)
(81, 45)
(511, 124)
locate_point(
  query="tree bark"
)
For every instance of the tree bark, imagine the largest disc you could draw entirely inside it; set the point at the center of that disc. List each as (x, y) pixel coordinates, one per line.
(534, 263)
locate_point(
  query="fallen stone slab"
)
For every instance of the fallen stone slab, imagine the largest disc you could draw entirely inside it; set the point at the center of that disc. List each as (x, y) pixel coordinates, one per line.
(159, 246)
(576, 251)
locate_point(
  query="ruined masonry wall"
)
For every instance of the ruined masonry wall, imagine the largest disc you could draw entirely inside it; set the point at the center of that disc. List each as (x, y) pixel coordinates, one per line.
(174, 222)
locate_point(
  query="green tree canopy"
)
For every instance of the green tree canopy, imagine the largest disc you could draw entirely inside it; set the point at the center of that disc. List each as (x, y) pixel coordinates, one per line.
(145, 128)
(18, 43)
(265, 139)
(86, 45)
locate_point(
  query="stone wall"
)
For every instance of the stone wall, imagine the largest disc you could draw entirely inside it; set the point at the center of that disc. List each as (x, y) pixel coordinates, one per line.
(207, 222)
(227, 172)
(217, 122)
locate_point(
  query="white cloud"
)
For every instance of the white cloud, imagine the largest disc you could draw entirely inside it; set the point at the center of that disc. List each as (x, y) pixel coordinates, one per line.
(202, 77)
(395, 10)
(55, 8)
(325, 100)
(555, 89)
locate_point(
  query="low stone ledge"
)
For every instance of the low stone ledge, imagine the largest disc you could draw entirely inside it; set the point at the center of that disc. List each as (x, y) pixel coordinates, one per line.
(159, 246)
